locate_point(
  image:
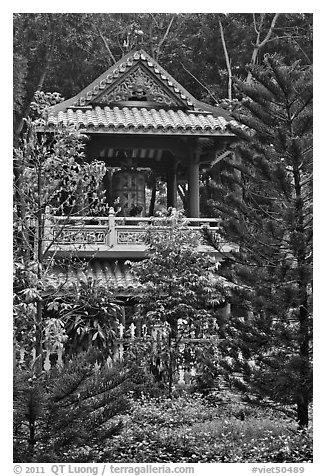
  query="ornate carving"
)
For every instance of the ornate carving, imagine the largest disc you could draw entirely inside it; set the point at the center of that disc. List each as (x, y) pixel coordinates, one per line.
(86, 236)
(130, 237)
(137, 86)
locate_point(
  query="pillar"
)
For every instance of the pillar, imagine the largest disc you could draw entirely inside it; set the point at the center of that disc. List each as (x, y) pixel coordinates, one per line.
(111, 237)
(193, 186)
(172, 185)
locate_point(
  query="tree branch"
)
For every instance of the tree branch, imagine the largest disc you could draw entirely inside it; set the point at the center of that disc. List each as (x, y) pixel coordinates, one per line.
(107, 47)
(259, 44)
(270, 31)
(164, 37)
(201, 84)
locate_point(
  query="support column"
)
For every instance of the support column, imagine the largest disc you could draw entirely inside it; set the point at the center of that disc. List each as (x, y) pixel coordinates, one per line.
(172, 185)
(193, 185)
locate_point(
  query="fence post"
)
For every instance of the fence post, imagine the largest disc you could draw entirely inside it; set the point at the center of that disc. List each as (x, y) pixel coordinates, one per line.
(132, 330)
(111, 236)
(47, 363)
(121, 330)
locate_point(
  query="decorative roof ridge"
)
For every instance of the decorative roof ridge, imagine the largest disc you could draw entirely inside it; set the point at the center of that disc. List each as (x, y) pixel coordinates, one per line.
(90, 92)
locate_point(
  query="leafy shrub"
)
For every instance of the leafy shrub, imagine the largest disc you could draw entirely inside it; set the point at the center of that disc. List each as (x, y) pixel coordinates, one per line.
(188, 430)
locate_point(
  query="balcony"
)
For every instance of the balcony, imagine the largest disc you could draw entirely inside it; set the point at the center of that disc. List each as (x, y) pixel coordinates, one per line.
(117, 237)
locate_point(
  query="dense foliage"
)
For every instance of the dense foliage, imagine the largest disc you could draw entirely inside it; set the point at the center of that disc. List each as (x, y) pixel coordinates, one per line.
(189, 430)
(181, 291)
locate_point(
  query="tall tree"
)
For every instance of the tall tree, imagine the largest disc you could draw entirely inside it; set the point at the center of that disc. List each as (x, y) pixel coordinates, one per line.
(181, 289)
(267, 210)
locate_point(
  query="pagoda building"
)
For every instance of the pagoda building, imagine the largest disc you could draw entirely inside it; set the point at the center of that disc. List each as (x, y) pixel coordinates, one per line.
(137, 118)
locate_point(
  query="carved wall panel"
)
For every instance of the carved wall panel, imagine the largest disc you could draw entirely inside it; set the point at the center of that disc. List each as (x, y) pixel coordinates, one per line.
(82, 236)
(130, 237)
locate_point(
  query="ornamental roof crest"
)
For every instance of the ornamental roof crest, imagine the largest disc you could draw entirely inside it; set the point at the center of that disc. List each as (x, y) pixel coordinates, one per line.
(135, 77)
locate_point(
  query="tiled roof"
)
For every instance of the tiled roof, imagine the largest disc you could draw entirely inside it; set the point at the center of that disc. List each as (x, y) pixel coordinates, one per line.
(141, 119)
(114, 276)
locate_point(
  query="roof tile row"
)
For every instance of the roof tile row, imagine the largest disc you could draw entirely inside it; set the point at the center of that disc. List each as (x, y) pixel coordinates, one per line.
(113, 118)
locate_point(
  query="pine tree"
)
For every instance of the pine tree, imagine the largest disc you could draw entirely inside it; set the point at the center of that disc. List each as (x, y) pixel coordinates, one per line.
(78, 405)
(266, 207)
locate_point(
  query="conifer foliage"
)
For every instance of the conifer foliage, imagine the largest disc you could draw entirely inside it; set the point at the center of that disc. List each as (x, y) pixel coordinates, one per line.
(72, 407)
(266, 206)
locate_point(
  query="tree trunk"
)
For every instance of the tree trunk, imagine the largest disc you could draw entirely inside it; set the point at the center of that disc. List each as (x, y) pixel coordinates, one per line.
(303, 397)
(171, 364)
(170, 370)
(303, 413)
(301, 251)
(38, 365)
(160, 44)
(227, 60)
(31, 438)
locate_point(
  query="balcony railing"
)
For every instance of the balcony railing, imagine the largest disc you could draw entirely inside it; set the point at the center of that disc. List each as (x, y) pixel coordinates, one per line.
(113, 236)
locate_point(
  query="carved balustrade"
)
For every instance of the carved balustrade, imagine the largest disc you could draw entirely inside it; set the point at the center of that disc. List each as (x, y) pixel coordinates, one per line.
(54, 354)
(114, 236)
